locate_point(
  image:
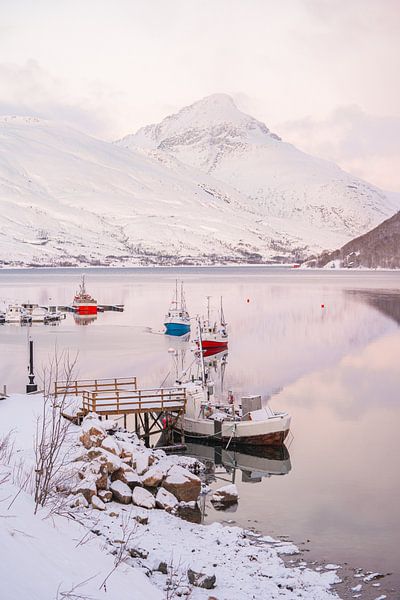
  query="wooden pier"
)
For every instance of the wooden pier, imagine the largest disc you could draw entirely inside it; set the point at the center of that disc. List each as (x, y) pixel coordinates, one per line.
(121, 397)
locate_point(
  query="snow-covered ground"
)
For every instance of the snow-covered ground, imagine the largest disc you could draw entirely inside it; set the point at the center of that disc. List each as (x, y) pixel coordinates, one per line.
(76, 554)
(209, 184)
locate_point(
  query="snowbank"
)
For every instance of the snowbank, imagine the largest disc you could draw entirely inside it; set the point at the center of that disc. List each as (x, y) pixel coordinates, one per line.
(149, 553)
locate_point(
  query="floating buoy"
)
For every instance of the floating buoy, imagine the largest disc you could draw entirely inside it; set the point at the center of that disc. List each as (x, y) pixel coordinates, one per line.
(322, 305)
(248, 300)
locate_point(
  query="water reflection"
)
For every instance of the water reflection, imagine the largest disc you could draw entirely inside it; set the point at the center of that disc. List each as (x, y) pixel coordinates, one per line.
(251, 464)
(84, 319)
(387, 302)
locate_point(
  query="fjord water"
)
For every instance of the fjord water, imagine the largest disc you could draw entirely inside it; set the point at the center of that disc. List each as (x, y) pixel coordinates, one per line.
(325, 345)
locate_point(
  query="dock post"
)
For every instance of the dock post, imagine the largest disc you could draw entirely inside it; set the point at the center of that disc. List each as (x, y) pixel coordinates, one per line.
(182, 431)
(136, 424)
(146, 430)
(31, 386)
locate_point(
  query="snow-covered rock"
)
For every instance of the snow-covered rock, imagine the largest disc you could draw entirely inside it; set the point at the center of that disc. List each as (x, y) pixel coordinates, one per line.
(121, 492)
(153, 477)
(143, 498)
(182, 484)
(228, 494)
(88, 489)
(111, 445)
(165, 499)
(142, 463)
(97, 503)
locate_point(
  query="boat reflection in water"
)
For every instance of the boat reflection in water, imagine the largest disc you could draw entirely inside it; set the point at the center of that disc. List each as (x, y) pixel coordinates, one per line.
(224, 466)
(84, 319)
(253, 463)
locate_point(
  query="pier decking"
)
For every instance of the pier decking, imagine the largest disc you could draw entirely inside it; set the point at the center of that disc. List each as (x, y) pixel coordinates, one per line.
(120, 396)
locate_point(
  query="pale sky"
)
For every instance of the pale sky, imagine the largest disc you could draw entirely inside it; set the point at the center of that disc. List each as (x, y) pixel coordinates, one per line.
(324, 74)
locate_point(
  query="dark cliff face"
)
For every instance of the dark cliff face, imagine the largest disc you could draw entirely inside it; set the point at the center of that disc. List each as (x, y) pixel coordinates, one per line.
(380, 247)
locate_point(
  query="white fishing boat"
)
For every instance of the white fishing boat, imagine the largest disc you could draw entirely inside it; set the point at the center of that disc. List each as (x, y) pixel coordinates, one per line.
(177, 319)
(42, 314)
(16, 313)
(250, 423)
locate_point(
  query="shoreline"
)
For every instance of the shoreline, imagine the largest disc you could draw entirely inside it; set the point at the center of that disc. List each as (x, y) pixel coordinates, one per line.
(245, 563)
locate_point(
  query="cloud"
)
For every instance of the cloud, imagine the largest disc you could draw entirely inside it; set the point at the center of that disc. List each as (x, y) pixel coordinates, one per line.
(29, 90)
(364, 144)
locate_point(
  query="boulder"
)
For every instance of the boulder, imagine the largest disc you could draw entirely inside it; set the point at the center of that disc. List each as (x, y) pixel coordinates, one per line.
(143, 498)
(92, 432)
(153, 477)
(105, 495)
(138, 552)
(96, 471)
(228, 494)
(141, 519)
(201, 579)
(97, 503)
(121, 492)
(127, 475)
(112, 461)
(111, 445)
(79, 501)
(182, 484)
(86, 487)
(165, 499)
(142, 463)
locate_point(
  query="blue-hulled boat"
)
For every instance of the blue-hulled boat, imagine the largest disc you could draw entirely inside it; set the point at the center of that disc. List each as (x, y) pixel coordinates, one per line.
(177, 320)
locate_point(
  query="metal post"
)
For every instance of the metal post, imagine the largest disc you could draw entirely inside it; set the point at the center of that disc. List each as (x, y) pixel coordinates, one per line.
(32, 386)
(146, 430)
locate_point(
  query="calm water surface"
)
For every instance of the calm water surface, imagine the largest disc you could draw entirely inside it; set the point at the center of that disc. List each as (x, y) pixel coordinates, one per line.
(335, 369)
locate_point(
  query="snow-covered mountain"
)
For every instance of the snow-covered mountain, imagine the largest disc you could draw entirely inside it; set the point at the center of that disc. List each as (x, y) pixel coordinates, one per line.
(67, 198)
(209, 184)
(286, 189)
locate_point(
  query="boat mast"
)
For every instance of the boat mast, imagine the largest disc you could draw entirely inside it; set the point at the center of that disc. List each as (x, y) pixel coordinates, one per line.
(208, 310)
(203, 369)
(222, 315)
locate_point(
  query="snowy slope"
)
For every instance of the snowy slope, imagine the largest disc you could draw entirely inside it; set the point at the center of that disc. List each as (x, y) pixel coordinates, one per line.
(67, 198)
(209, 184)
(291, 191)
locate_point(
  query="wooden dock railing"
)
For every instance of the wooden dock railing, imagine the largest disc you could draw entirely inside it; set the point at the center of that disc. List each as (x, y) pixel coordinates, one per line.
(78, 387)
(138, 401)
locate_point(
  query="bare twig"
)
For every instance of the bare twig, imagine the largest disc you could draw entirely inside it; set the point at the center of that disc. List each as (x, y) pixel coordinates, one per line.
(52, 430)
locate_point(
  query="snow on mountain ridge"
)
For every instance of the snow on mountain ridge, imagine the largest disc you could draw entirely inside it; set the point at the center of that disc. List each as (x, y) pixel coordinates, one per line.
(68, 198)
(299, 194)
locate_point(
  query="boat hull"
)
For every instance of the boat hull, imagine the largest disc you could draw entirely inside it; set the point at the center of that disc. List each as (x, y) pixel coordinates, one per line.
(271, 432)
(176, 329)
(213, 345)
(86, 309)
(275, 438)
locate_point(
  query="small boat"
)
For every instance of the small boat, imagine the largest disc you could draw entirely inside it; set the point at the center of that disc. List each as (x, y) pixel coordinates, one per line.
(214, 336)
(249, 424)
(83, 303)
(16, 313)
(177, 320)
(42, 314)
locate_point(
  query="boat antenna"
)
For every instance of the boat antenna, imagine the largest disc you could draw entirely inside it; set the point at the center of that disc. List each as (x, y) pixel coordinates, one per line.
(183, 303)
(208, 309)
(203, 370)
(222, 314)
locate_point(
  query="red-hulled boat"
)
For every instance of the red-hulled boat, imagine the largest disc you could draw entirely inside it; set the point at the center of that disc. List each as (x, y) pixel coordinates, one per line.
(213, 336)
(83, 302)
